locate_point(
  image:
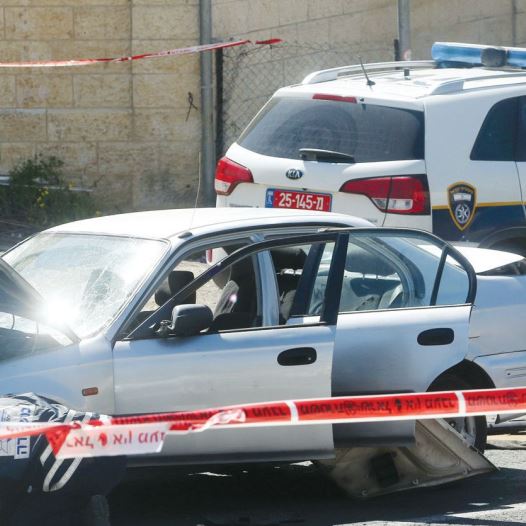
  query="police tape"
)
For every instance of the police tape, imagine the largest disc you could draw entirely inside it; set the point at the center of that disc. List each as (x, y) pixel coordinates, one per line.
(165, 53)
(145, 434)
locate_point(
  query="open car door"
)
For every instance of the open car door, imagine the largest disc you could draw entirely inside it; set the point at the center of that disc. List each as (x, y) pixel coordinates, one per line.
(247, 353)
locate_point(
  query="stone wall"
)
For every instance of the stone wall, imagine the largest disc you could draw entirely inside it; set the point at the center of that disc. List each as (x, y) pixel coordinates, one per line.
(122, 128)
(126, 129)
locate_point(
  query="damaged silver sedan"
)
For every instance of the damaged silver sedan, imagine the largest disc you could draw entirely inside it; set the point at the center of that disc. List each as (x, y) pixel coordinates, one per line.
(187, 309)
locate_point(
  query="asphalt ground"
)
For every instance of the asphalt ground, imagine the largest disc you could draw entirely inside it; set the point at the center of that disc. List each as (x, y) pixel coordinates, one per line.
(301, 495)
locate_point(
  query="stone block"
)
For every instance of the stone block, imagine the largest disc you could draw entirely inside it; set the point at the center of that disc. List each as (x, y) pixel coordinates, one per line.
(165, 91)
(44, 91)
(38, 23)
(521, 5)
(179, 21)
(156, 191)
(114, 194)
(496, 30)
(317, 9)
(80, 159)
(23, 125)
(64, 3)
(81, 49)
(129, 158)
(102, 91)
(102, 22)
(475, 9)
(167, 125)
(293, 12)
(175, 182)
(263, 14)
(13, 153)
(379, 23)
(182, 64)
(346, 29)
(230, 18)
(19, 50)
(179, 157)
(521, 29)
(7, 91)
(89, 125)
(170, 2)
(358, 6)
(314, 32)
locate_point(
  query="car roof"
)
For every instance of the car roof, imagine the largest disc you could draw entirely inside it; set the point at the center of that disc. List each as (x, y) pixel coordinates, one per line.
(393, 84)
(166, 224)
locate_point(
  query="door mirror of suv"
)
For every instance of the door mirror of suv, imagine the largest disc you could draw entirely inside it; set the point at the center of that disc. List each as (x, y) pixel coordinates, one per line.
(187, 320)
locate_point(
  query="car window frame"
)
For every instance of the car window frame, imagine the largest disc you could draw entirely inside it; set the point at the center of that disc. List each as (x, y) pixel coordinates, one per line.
(324, 233)
(329, 313)
(186, 242)
(403, 267)
(447, 250)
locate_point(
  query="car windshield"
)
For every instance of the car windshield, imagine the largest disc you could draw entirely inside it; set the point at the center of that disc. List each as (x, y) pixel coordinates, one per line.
(85, 279)
(367, 132)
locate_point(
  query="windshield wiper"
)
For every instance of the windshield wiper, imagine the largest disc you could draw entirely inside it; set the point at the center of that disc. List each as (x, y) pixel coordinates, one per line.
(325, 156)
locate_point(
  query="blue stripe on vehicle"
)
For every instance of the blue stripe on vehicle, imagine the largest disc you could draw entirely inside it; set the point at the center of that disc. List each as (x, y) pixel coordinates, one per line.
(487, 219)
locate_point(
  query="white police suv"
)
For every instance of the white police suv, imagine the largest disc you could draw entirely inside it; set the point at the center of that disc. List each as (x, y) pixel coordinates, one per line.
(438, 145)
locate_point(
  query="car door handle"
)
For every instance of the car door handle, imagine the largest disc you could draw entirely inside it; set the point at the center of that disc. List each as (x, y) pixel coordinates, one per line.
(442, 336)
(297, 356)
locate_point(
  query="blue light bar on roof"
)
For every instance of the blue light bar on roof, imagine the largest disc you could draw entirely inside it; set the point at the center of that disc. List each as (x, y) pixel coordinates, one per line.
(453, 52)
(458, 54)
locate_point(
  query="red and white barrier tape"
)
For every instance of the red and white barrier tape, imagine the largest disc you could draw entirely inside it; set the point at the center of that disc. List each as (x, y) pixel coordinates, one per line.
(166, 53)
(144, 434)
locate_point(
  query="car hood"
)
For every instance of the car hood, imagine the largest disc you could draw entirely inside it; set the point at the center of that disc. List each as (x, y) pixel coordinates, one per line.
(18, 297)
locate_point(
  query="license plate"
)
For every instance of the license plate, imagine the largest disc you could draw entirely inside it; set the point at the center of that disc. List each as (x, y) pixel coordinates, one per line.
(299, 200)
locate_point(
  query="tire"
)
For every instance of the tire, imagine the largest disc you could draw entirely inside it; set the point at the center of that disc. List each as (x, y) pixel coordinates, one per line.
(96, 512)
(473, 428)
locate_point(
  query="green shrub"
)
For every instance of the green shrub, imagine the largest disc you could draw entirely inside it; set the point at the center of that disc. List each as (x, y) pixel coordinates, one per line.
(37, 194)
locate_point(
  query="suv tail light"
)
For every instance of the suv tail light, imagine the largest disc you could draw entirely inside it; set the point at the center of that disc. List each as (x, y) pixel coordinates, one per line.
(400, 194)
(229, 174)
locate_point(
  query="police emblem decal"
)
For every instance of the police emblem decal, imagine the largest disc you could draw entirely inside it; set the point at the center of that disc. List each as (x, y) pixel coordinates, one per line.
(462, 201)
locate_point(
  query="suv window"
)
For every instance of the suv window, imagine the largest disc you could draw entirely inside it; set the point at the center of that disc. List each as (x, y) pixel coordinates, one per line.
(368, 132)
(496, 138)
(520, 151)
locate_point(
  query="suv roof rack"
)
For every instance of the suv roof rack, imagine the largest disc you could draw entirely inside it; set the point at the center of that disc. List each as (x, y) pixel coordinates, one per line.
(334, 73)
(451, 86)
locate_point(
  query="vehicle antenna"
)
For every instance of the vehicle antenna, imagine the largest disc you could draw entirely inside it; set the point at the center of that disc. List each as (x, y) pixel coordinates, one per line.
(370, 82)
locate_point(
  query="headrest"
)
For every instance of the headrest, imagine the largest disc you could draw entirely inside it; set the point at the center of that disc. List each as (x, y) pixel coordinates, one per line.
(177, 279)
(288, 257)
(360, 260)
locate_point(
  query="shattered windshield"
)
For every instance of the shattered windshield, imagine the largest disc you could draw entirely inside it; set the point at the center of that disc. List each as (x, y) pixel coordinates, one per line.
(85, 279)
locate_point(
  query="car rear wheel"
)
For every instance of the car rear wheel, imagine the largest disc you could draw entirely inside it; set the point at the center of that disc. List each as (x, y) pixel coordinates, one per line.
(474, 429)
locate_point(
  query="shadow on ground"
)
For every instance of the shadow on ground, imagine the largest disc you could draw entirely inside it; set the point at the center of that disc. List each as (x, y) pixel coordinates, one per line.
(299, 494)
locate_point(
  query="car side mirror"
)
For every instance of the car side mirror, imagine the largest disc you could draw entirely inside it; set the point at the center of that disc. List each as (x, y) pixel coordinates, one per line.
(187, 320)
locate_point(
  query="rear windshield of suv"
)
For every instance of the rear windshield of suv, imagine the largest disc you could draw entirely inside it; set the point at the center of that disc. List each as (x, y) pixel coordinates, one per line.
(368, 132)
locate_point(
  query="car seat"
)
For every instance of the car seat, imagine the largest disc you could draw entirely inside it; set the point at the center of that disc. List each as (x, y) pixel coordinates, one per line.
(176, 280)
(288, 261)
(237, 304)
